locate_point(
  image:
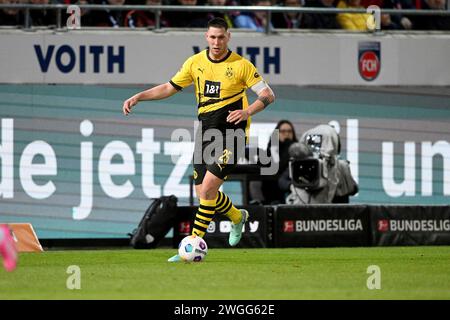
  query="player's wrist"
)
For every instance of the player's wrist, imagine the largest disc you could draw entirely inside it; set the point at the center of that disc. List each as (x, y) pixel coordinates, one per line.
(138, 97)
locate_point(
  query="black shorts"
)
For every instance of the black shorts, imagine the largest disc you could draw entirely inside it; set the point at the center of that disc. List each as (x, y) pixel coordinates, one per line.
(218, 143)
(218, 156)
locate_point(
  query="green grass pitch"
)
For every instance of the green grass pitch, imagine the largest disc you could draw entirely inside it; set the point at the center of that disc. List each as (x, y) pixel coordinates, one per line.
(233, 274)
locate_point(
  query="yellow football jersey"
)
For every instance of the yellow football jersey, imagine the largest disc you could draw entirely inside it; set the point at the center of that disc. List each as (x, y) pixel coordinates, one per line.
(217, 83)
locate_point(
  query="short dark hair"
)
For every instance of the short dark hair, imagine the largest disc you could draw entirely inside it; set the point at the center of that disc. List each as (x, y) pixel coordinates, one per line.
(218, 23)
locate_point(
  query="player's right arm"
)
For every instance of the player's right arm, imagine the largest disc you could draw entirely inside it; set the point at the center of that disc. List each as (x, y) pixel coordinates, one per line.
(162, 91)
(182, 79)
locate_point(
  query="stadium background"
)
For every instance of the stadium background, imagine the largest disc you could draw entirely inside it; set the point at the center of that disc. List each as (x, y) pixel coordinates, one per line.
(47, 95)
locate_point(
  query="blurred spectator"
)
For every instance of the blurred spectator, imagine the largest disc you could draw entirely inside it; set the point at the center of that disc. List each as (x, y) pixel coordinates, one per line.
(431, 22)
(267, 191)
(179, 19)
(391, 22)
(87, 17)
(11, 17)
(227, 16)
(402, 20)
(110, 18)
(319, 20)
(144, 19)
(290, 20)
(42, 17)
(352, 21)
(255, 20)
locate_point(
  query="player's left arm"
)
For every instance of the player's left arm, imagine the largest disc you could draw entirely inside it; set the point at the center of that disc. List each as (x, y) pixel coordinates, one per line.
(265, 97)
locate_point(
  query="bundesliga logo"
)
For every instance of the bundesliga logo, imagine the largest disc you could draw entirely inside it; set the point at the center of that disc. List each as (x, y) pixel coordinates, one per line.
(288, 226)
(332, 225)
(383, 225)
(386, 225)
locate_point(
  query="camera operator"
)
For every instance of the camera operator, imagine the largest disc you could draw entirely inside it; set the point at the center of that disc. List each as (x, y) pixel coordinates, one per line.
(315, 174)
(266, 191)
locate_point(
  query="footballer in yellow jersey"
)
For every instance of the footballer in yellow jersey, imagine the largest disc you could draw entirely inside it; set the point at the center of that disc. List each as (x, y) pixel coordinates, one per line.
(220, 88)
(221, 78)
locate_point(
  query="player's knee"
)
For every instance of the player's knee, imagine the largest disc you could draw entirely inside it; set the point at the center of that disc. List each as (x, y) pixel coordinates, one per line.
(208, 193)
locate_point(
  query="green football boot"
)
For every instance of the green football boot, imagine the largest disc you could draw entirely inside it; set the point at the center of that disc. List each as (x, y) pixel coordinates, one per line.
(236, 229)
(175, 258)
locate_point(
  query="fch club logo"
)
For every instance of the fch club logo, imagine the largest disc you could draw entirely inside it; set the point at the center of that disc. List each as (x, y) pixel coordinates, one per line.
(369, 59)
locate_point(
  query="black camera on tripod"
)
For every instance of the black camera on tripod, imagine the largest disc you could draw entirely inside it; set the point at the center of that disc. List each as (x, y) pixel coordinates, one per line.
(316, 173)
(306, 173)
(313, 157)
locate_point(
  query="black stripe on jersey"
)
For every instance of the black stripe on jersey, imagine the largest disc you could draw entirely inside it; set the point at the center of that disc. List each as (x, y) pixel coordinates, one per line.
(212, 101)
(217, 119)
(175, 85)
(199, 93)
(221, 60)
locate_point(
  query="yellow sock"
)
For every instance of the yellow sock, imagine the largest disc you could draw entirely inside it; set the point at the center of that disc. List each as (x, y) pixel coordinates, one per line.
(205, 214)
(225, 207)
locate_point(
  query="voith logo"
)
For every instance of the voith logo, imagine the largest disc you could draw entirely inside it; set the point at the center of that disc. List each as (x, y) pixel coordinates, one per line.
(288, 226)
(83, 59)
(369, 61)
(383, 225)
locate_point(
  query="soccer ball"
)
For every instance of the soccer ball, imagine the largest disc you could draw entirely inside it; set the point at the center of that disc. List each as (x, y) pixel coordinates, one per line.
(192, 248)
